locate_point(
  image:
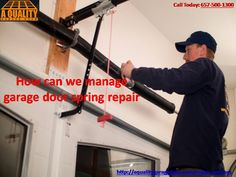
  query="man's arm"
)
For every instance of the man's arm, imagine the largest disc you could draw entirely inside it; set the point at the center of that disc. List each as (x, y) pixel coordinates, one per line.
(184, 80)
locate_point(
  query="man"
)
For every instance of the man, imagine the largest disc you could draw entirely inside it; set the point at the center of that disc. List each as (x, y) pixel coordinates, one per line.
(202, 119)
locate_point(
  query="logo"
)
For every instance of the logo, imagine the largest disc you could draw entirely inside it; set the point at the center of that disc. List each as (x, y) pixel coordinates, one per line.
(19, 10)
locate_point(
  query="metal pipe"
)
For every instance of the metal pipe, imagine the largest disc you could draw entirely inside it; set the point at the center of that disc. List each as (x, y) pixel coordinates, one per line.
(79, 15)
(60, 32)
(89, 107)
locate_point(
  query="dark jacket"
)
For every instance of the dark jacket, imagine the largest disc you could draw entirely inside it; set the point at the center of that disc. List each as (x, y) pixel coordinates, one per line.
(200, 125)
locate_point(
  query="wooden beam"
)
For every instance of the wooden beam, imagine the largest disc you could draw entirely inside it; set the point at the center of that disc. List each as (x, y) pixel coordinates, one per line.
(57, 57)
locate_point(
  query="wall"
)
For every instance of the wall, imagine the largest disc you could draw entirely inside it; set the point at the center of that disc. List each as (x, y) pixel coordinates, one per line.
(130, 38)
(54, 141)
(125, 45)
(231, 130)
(52, 151)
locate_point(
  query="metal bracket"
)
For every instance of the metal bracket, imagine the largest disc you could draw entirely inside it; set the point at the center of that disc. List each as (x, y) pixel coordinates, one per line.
(130, 84)
(75, 40)
(78, 109)
(103, 8)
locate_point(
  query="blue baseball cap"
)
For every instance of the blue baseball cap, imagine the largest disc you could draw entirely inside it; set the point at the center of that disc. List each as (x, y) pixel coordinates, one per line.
(198, 37)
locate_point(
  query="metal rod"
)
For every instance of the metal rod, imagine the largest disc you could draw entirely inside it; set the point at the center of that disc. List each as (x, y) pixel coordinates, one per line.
(11, 67)
(60, 32)
(78, 109)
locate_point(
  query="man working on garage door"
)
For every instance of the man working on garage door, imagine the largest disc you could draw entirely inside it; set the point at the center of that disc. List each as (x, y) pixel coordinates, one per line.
(202, 119)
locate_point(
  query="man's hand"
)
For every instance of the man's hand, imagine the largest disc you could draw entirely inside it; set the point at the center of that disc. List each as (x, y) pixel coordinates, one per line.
(126, 69)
